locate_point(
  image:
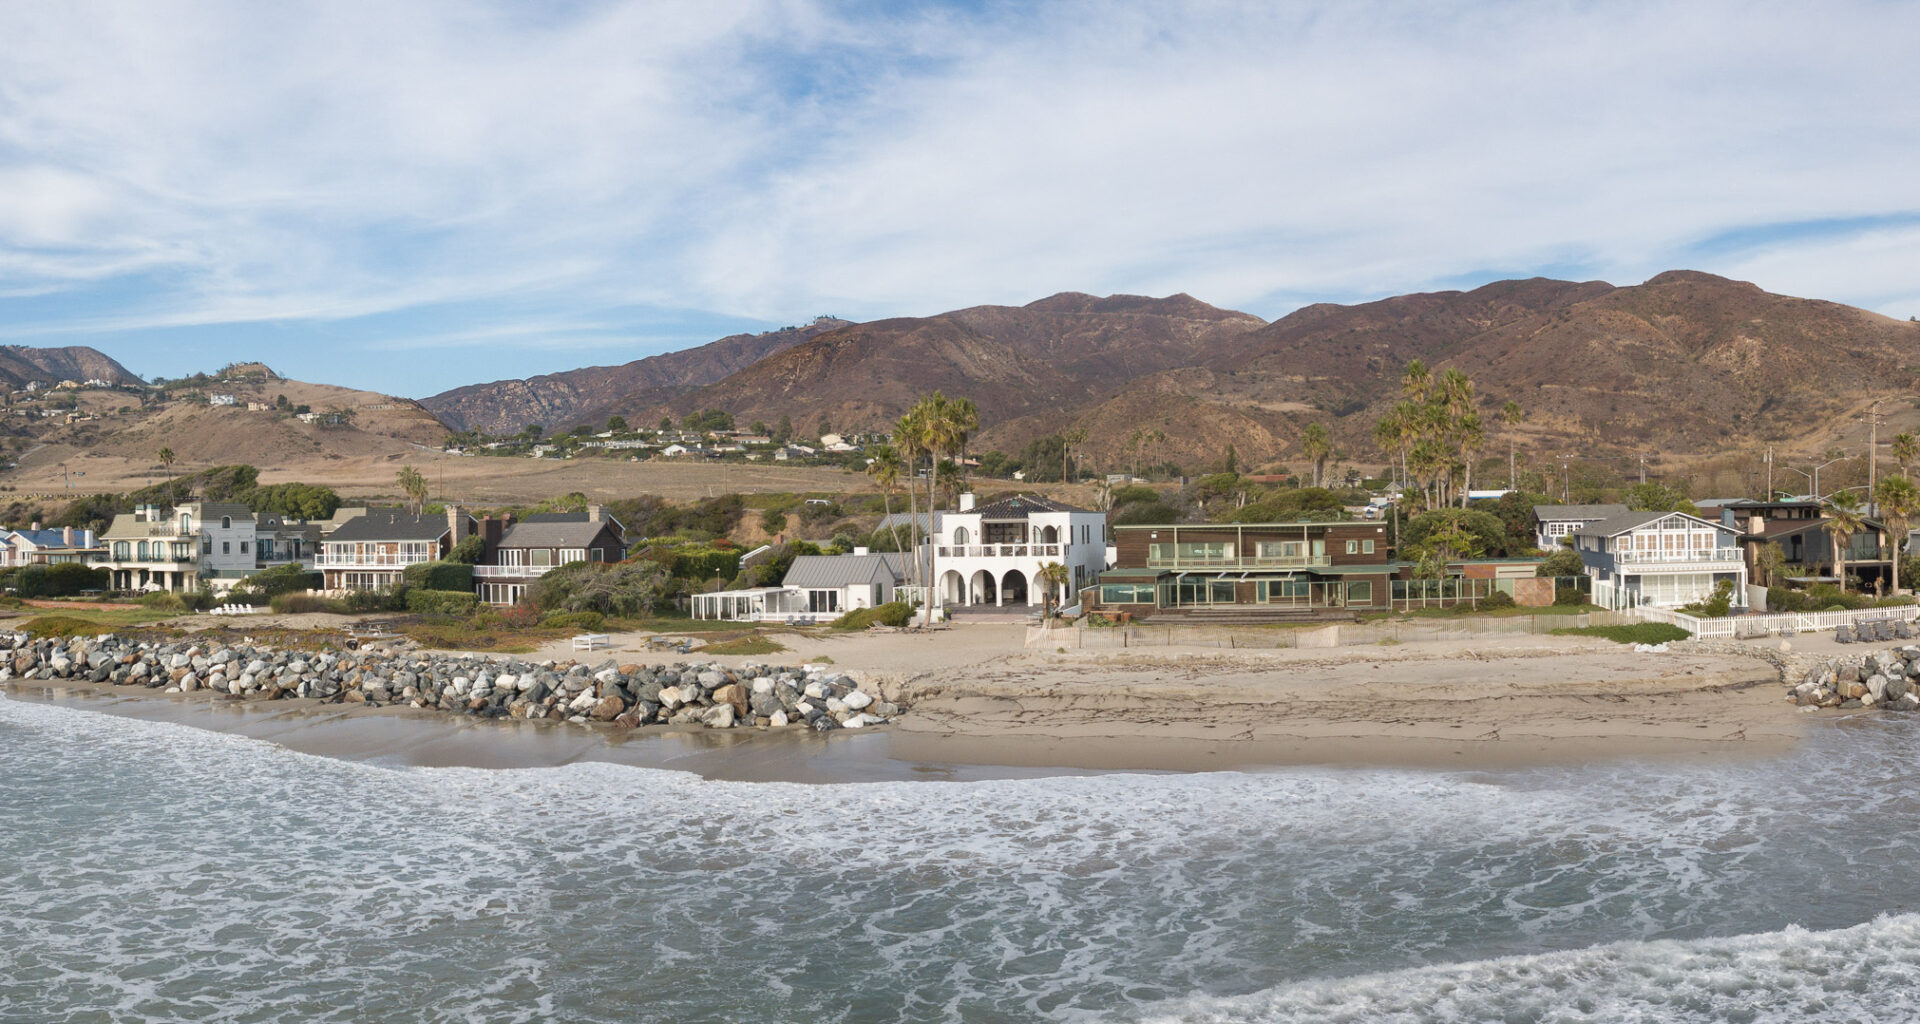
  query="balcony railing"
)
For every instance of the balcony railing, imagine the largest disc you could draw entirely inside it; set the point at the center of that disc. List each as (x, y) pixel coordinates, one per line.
(329, 561)
(1001, 550)
(1676, 557)
(1243, 562)
(514, 572)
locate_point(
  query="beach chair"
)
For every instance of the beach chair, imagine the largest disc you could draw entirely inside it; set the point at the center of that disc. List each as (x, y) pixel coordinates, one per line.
(1842, 634)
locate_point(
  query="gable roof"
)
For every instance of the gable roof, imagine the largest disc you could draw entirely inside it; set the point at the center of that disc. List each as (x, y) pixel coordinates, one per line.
(1617, 525)
(1019, 507)
(554, 533)
(391, 524)
(1564, 513)
(840, 570)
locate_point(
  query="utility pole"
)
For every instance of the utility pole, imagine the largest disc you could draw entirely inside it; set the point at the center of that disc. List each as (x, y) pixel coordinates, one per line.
(1769, 461)
(1873, 448)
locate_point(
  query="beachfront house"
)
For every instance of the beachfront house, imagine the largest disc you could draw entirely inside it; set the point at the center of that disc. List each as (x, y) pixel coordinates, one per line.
(519, 553)
(991, 555)
(370, 551)
(1298, 570)
(36, 546)
(1553, 524)
(1800, 529)
(816, 588)
(1665, 559)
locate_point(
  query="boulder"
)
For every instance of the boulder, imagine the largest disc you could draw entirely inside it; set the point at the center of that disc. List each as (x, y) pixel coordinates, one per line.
(856, 700)
(1896, 688)
(778, 719)
(734, 695)
(607, 709)
(720, 716)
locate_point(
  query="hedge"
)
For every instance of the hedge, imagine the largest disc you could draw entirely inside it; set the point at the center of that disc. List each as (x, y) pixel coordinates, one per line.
(439, 576)
(445, 602)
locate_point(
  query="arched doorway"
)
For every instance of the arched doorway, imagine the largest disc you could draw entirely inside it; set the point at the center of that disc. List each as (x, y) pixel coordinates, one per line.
(983, 589)
(1050, 535)
(1013, 588)
(961, 536)
(953, 588)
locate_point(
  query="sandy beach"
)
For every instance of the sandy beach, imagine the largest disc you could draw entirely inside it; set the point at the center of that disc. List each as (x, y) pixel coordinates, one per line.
(983, 706)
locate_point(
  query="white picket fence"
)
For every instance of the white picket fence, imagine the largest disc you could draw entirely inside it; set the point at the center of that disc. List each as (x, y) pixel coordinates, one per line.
(1741, 626)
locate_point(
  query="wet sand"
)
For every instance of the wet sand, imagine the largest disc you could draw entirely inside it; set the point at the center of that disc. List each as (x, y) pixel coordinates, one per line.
(981, 706)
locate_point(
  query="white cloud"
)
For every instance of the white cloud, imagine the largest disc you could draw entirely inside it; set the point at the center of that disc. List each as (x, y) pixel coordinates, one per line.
(236, 163)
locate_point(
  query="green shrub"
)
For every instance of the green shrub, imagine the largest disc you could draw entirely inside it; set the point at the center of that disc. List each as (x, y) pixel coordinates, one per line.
(299, 602)
(1564, 562)
(1569, 596)
(282, 579)
(392, 600)
(1145, 513)
(197, 600)
(1497, 599)
(586, 622)
(893, 613)
(442, 602)
(1637, 633)
(1714, 607)
(456, 576)
(706, 564)
(164, 602)
(469, 551)
(624, 588)
(62, 580)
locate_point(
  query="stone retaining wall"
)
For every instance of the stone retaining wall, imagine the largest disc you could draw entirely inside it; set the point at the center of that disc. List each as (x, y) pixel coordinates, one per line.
(709, 695)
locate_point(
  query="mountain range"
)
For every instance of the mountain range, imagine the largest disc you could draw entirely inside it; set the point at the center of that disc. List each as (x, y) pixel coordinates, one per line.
(1685, 362)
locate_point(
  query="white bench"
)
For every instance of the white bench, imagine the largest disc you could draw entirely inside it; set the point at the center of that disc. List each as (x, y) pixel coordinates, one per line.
(591, 641)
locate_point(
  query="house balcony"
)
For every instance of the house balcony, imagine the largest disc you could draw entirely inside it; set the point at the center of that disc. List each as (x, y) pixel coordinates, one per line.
(511, 572)
(1249, 562)
(1001, 550)
(1697, 560)
(377, 561)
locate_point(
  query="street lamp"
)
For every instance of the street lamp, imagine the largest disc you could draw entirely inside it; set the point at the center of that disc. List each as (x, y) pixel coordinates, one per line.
(1813, 479)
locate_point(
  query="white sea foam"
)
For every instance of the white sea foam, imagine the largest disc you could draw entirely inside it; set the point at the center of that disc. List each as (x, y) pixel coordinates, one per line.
(167, 870)
(1870, 972)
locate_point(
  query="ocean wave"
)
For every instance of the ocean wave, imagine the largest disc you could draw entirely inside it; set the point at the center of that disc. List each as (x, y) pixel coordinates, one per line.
(1870, 972)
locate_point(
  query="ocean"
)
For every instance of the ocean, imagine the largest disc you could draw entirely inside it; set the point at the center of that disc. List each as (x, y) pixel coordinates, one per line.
(150, 871)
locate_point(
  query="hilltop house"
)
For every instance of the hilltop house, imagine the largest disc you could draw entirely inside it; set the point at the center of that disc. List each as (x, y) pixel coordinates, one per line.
(1553, 524)
(1270, 570)
(370, 551)
(519, 553)
(1664, 559)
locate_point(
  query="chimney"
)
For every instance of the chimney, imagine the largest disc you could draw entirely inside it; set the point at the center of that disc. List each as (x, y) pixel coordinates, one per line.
(490, 531)
(35, 526)
(596, 513)
(457, 523)
(66, 535)
(966, 502)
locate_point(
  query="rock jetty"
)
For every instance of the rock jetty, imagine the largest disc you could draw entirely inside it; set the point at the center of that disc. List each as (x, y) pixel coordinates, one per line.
(694, 694)
(1884, 679)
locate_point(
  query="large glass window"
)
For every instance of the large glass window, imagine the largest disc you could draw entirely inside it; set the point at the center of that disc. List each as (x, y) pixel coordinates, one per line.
(1126, 593)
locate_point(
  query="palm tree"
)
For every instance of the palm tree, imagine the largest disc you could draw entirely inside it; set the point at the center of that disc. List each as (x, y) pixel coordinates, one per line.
(1415, 381)
(1470, 437)
(910, 436)
(885, 471)
(166, 459)
(1906, 449)
(1316, 446)
(1071, 437)
(964, 417)
(1054, 575)
(1510, 417)
(1844, 519)
(1899, 503)
(414, 483)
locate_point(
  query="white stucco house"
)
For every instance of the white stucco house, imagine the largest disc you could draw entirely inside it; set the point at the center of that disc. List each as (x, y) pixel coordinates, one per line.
(991, 555)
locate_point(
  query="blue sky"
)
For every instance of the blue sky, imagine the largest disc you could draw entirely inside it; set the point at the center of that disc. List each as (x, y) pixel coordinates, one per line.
(410, 197)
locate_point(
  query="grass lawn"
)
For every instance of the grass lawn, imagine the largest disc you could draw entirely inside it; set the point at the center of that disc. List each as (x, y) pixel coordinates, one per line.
(1637, 633)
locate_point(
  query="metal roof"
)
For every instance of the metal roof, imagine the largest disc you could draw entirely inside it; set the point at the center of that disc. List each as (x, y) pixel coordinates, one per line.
(841, 570)
(1564, 513)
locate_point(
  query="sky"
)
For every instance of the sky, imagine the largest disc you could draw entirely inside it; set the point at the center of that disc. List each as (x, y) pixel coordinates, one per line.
(411, 197)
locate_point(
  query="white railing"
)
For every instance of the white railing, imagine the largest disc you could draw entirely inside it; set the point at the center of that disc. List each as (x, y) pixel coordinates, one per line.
(1249, 562)
(518, 572)
(325, 561)
(1695, 556)
(1757, 625)
(1001, 551)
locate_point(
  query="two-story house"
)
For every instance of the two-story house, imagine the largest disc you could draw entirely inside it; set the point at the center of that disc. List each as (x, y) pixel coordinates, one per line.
(1802, 532)
(1664, 559)
(992, 554)
(370, 551)
(1281, 569)
(518, 553)
(197, 544)
(36, 546)
(1553, 524)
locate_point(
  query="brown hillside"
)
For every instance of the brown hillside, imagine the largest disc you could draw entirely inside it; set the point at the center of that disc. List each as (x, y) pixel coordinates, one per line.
(592, 394)
(1053, 356)
(22, 363)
